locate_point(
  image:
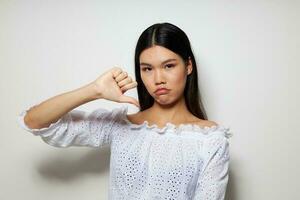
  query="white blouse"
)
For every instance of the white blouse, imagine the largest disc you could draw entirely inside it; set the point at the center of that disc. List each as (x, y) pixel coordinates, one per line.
(186, 162)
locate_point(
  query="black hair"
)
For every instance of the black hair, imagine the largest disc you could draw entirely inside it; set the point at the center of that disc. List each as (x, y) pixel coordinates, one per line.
(173, 38)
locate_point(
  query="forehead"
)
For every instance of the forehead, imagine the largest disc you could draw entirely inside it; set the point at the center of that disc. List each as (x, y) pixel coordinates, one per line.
(157, 54)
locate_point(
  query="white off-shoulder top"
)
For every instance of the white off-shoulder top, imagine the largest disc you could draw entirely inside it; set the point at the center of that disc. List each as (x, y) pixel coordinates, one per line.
(185, 162)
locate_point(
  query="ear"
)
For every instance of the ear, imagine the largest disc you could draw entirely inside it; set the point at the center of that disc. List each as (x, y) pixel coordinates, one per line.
(189, 66)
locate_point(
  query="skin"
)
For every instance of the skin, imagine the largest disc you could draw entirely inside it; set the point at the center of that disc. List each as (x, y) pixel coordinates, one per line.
(172, 75)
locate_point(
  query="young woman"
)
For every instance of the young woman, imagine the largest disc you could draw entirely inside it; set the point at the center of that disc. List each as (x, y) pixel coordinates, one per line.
(167, 150)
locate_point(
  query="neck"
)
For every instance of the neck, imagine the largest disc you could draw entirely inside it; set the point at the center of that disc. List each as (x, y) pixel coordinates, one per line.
(176, 112)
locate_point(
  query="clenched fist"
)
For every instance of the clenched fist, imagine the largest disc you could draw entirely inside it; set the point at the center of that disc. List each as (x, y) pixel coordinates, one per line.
(112, 85)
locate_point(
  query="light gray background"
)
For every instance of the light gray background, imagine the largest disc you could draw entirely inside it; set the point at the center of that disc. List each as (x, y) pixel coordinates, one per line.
(247, 53)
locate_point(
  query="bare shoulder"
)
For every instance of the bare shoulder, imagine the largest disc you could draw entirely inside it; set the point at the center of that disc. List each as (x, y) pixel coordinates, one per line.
(206, 123)
(134, 118)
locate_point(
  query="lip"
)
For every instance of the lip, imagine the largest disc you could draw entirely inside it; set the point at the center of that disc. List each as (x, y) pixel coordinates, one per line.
(161, 91)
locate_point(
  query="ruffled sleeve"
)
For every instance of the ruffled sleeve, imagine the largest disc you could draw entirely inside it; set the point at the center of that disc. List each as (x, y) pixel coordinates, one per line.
(78, 128)
(213, 178)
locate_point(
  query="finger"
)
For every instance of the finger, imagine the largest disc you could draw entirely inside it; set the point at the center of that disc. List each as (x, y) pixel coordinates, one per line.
(127, 99)
(125, 81)
(129, 86)
(121, 76)
(116, 71)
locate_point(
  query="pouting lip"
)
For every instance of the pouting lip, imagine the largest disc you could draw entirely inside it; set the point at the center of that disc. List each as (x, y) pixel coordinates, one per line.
(160, 88)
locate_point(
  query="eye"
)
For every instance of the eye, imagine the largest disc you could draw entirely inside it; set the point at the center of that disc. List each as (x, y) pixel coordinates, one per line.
(145, 68)
(170, 65)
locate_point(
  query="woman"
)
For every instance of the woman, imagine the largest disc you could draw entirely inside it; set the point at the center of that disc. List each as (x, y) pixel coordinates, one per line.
(167, 150)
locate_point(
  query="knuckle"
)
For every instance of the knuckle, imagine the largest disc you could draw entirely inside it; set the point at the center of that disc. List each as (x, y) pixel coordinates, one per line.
(117, 69)
(123, 88)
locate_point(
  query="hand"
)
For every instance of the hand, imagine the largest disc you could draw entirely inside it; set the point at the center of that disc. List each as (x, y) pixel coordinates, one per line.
(112, 85)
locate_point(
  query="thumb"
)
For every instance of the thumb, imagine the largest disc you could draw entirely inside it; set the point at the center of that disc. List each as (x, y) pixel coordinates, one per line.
(131, 100)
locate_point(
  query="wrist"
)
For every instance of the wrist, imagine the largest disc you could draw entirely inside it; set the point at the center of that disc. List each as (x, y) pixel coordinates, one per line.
(92, 92)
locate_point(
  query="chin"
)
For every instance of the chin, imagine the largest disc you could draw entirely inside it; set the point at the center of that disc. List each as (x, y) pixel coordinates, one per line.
(166, 101)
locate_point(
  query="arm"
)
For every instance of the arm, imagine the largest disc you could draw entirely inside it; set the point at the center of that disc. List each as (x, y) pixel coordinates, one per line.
(213, 178)
(55, 121)
(50, 111)
(79, 128)
(59, 125)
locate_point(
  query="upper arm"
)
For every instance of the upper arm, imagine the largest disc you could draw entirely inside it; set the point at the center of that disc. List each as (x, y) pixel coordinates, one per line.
(78, 128)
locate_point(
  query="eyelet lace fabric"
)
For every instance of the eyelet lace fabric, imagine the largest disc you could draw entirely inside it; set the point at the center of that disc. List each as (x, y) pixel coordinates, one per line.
(179, 129)
(185, 162)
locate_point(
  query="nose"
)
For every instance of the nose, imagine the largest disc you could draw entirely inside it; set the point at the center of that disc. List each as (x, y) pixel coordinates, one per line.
(158, 77)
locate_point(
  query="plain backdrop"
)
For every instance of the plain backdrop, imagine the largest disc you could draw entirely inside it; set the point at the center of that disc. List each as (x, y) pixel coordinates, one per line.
(248, 61)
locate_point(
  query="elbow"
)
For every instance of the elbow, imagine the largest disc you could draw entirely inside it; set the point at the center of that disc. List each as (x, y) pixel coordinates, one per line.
(31, 123)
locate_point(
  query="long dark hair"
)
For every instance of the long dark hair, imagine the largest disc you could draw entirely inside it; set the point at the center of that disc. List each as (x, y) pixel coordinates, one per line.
(174, 39)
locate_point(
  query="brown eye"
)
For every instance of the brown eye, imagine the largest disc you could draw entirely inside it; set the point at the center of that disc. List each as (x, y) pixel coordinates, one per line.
(170, 65)
(145, 69)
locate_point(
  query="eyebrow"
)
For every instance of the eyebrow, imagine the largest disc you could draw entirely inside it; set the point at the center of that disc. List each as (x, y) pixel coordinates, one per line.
(168, 60)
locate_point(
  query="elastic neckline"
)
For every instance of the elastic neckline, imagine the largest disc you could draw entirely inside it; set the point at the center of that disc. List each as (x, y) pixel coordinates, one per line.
(187, 128)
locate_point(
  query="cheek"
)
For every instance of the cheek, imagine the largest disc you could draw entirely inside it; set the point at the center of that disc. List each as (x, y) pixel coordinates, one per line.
(179, 78)
(147, 82)
(177, 81)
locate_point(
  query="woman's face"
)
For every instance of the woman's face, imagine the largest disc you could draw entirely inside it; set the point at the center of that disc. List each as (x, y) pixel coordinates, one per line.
(160, 67)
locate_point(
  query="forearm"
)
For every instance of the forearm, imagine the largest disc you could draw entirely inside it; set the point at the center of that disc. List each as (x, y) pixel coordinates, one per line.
(51, 110)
